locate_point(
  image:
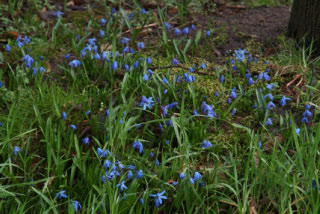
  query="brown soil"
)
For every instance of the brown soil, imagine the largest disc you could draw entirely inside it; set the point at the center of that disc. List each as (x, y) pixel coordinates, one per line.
(262, 24)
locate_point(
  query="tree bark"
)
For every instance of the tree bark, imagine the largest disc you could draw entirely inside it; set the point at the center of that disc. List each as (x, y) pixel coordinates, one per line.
(304, 24)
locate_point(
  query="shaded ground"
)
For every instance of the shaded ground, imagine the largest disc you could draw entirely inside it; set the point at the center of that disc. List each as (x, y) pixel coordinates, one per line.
(262, 24)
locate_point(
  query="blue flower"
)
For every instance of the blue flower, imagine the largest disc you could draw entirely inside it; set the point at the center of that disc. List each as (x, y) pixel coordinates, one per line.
(101, 33)
(308, 106)
(259, 145)
(158, 198)
(307, 113)
(74, 63)
(208, 110)
(151, 154)
(122, 186)
(61, 194)
(76, 205)
(74, 127)
(271, 105)
(146, 102)
(114, 65)
(269, 96)
(102, 153)
(130, 174)
(269, 86)
(186, 30)
(157, 163)
(191, 180)
(250, 81)
(139, 174)
(102, 22)
(138, 145)
(233, 93)
(136, 64)
(314, 184)
(8, 48)
(165, 91)
(42, 69)
(141, 201)
(140, 45)
(149, 60)
(203, 66)
(304, 120)
(113, 10)
(221, 78)
(64, 115)
(189, 78)
(88, 112)
(175, 62)
(143, 11)
(86, 140)
(182, 175)
(16, 149)
(126, 66)
(283, 100)
(193, 27)
(28, 60)
(206, 144)
(195, 112)
(177, 32)
(208, 33)
(197, 176)
(268, 122)
(164, 80)
(125, 40)
(59, 14)
(240, 54)
(297, 131)
(168, 26)
(145, 77)
(191, 69)
(234, 111)
(107, 164)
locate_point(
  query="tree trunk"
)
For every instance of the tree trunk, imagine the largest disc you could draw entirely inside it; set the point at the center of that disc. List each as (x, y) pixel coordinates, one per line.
(305, 23)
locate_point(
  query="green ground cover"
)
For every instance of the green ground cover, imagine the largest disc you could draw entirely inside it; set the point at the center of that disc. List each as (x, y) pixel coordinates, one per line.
(118, 109)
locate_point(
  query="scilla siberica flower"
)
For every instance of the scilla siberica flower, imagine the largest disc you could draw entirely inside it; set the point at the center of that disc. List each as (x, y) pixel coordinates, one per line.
(268, 122)
(101, 33)
(186, 30)
(269, 96)
(8, 48)
(168, 26)
(114, 65)
(86, 141)
(59, 14)
(102, 22)
(208, 110)
(74, 63)
(76, 205)
(271, 105)
(102, 152)
(125, 40)
(28, 60)
(206, 144)
(208, 33)
(16, 150)
(283, 100)
(145, 77)
(61, 194)
(175, 62)
(143, 11)
(182, 175)
(146, 102)
(122, 186)
(139, 174)
(233, 93)
(177, 32)
(140, 45)
(221, 78)
(203, 66)
(74, 127)
(240, 54)
(138, 145)
(297, 131)
(158, 198)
